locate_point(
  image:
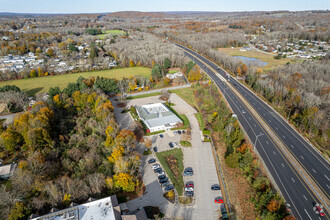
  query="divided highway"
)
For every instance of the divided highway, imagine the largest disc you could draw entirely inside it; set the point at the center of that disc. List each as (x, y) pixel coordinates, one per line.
(294, 189)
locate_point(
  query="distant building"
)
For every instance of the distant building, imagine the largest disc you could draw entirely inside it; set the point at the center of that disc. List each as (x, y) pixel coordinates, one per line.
(157, 117)
(7, 171)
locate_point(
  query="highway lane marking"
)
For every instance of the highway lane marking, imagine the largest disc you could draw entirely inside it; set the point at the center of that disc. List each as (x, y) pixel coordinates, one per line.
(283, 136)
(267, 142)
(274, 153)
(308, 214)
(328, 186)
(293, 180)
(264, 114)
(282, 164)
(314, 171)
(302, 157)
(255, 125)
(249, 118)
(270, 121)
(327, 177)
(292, 146)
(305, 197)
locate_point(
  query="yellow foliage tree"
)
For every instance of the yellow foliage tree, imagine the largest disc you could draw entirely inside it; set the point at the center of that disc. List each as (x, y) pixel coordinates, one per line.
(124, 181)
(131, 63)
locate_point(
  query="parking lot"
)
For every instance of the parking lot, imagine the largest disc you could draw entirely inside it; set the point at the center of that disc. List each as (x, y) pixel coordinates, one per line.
(199, 157)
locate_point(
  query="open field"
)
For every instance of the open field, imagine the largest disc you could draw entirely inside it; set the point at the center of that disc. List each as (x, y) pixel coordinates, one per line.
(259, 55)
(112, 32)
(177, 181)
(187, 94)
(42, 84)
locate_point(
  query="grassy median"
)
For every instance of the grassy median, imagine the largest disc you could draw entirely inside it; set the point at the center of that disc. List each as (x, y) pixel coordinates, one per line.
(172, 162)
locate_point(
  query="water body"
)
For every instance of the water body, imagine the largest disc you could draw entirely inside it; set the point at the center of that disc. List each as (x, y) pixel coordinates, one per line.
(250, 61)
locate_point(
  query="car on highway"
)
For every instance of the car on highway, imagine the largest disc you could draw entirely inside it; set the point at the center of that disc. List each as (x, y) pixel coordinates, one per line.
(188, 189)
(161, 173)
(155, 149)
(152, 160)
(171, 144)
(163, 180)
(158, 170)
(215, 187)
(243, 111)
(318, 209)
(155, 166)
(218, 200)
(190, 184)
(161, 177)
(169, 187)
(161, 136)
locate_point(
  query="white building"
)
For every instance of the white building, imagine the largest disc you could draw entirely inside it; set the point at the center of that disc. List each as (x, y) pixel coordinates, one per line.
(157, 117)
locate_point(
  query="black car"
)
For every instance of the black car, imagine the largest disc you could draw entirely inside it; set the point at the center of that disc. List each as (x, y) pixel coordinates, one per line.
(179, 132)
(215, 187)
(190, 193)
(171, 144)
(183, 132)
(188, 169)
(152, 160)
(161, 136)
(169, 187)
(165, 184)
(163, 180)
(156, 149)
(188, 173)
(158, 170)
(161, 177)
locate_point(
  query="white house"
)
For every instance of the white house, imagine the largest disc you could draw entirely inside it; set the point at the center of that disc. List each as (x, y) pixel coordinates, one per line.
(157, 117)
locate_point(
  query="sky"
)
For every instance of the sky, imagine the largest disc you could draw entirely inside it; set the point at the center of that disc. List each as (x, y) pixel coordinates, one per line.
(97, 6)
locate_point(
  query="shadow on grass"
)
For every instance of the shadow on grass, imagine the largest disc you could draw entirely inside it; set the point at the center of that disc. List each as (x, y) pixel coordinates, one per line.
(33, 92)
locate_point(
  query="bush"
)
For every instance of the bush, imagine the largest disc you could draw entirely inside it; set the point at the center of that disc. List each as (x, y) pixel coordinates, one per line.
(232, 160)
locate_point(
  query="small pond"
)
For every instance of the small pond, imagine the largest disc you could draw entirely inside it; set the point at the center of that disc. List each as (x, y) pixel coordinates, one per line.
(250, 61)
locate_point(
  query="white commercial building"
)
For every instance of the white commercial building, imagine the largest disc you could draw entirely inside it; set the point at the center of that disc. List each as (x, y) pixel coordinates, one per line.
(157, 117)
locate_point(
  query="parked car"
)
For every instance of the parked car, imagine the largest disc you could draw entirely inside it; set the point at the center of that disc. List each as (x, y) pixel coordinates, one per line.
(190, 193)
(189, 189)
(163, 180)
(183, 131)
(223, 212)
(175, 144)
(190, 184)
(218, 200)
(155, 166)
(188, 171)
(158, 170)
(152, 160)
(161, 173)
(171, 145)
(155, 149)
(179, 132)
(161, 136)
(161, 177)
(168, 188)
(165, 184)
(215, 187)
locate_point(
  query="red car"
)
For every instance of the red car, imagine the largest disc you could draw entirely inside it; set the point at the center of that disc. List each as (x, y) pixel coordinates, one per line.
(189, 184)
(218, 200)
(318, 209)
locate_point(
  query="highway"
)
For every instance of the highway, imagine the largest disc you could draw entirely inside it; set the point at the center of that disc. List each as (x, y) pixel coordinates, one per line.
(290, 182)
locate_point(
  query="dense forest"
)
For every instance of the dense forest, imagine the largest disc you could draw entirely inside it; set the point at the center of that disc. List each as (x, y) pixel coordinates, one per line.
(68, 148)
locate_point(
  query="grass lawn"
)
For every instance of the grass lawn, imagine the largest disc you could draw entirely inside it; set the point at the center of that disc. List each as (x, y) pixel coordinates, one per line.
(112, 32)
(173, 71)
(259, 55)
(185, 143)
(183, 118)
(42, 84)
(200, 120)
(187, 94)
(144, 95)
(177, 181)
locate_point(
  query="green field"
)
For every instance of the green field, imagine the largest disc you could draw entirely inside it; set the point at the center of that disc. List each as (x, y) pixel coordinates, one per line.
(144, 95)
(272, 63)
(177, 153)
(112, 32)
(187, 94)
(42, 84)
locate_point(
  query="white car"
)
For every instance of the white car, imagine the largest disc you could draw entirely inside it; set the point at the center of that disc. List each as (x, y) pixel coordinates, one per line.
(161, 173)
(189, 189)
(155, 166)
(175, 144)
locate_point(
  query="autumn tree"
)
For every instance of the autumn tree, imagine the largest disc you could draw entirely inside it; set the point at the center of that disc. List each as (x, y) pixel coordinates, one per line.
(244, 68)
(131, 63)
(194, 74)
(239, 71)
(50, 52)
(125, 182)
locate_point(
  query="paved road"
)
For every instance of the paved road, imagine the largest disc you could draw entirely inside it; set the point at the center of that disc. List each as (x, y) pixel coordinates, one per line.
(158, 90)
(293, 188)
